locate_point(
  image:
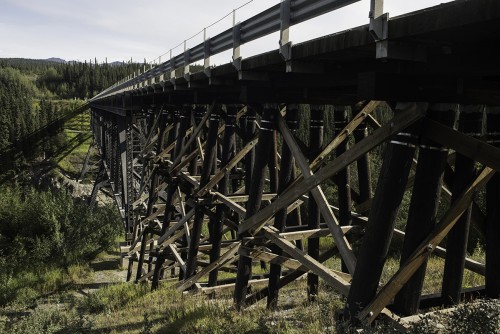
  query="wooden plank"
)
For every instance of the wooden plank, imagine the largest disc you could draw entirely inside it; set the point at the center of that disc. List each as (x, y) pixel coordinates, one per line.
(176, 226)
(195, 135)
(401, 121)
(470, 147)
(177, 256)
(230, 255)
(242, 198)
(320, 198)
(260, 254)
(470, 264)
(388, 291)
(232, 205)
(344, 133)
(229, 287)
(231, 164)
(329, 276)
(316, 233)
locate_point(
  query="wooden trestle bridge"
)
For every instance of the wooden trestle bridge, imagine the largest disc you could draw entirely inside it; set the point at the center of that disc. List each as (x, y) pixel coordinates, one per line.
(210, 176)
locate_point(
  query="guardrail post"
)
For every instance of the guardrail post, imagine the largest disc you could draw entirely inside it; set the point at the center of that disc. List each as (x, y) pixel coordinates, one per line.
(172, 68)
(186, 61)
(206, 53)
(379, 27)
(162, 76)
(285, 44)
(236, 43)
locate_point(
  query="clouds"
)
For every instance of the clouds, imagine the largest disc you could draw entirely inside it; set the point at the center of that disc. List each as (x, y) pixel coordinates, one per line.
(121, 29)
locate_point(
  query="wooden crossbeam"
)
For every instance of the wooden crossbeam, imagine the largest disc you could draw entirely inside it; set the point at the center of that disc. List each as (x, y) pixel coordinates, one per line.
(230, 255)
(332, 278)
(344, 133)
(401, 121)
(470, 147)
(320, 198)
(230, 165)
(470, 264)
(423, 251)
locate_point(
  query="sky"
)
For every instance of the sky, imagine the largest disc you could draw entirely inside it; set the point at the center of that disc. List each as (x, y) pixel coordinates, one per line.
(120, 30)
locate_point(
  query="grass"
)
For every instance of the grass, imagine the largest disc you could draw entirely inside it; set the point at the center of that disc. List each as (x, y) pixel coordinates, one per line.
(132, 308)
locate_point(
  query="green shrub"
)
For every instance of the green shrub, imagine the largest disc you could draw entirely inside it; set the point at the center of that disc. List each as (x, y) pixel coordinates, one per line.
(39, 228)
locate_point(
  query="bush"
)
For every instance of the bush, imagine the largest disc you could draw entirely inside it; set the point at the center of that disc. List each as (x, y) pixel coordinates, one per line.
(39, 228)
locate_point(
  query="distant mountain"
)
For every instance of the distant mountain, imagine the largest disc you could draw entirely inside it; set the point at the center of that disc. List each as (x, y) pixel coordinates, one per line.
(56, 60)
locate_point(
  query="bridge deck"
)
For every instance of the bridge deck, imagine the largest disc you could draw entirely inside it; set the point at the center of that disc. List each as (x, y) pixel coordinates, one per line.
(444, 53)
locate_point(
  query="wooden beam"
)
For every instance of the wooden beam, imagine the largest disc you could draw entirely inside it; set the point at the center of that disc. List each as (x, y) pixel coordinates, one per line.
(329, 276)
(320, 198)
(230, 255)
(470, 147)
(388, 291)
(401, 121)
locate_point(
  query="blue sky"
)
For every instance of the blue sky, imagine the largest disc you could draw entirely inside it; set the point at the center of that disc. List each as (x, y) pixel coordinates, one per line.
(124, 29)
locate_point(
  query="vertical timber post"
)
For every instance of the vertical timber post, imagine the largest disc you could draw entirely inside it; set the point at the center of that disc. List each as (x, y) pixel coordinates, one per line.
(254, 199)
(227, 153)
(470, 123)
(432, 159)
(315, 146)
(285, 177)
(343, 177)
(208, 165)
(391, 186)
(363, 163)
(492, 275)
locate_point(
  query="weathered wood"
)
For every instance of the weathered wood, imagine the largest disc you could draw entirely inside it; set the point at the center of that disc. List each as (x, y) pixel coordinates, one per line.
(424, 203)
(208, 165)
(401, 121)
(285, 176)
(363, 165)
(423, 251)
(470, 147)
(342, 179)
(492, 235)
(470, 121)
(331, 278)
(254, 200)
(229, 256)
(314, 217)
(216, 232)
(470, 264)
(391, 185)
(319, 198)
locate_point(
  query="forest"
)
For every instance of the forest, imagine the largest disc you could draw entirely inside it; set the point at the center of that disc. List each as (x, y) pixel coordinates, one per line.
(47, 234)
(34, 93)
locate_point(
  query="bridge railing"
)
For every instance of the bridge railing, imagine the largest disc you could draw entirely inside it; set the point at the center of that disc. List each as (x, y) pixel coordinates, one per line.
(277, 18)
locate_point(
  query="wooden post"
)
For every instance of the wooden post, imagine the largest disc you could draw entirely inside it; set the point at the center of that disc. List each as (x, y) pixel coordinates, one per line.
(176, 136)
(208, 162)
(162, 123)
(250, 126)
(391, 185)
(254, 199)
(226, 155)
(492, 276)
(470, 123)
(315, 146)
(285, 176)
(363, 163)
(342, 179)
(432, 160)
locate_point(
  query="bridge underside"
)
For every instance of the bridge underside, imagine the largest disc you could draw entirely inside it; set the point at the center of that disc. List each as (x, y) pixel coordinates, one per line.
(212, 177)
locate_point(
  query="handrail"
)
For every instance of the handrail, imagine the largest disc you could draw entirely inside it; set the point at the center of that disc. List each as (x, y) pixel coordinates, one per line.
(269, 21)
